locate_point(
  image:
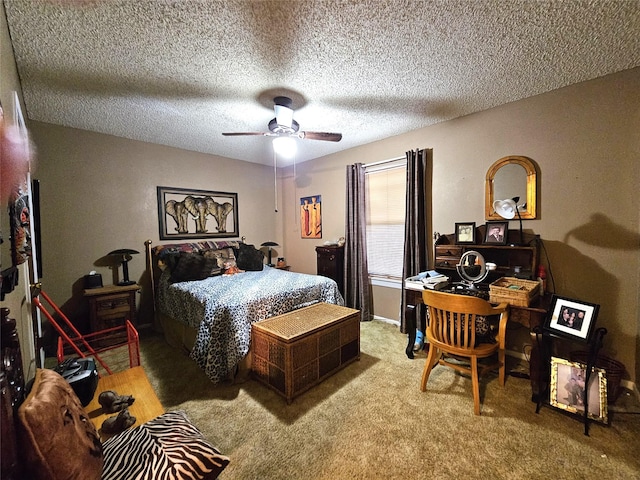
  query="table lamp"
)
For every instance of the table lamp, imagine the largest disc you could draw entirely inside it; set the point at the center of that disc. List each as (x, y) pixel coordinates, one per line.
(508, 209)
(269, 244)
(125, 255)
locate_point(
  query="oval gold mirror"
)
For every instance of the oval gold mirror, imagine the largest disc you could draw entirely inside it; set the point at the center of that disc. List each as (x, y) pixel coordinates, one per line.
(511, 177)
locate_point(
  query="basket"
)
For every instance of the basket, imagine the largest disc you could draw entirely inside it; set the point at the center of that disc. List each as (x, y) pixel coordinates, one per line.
(614, 370)
(514, 291)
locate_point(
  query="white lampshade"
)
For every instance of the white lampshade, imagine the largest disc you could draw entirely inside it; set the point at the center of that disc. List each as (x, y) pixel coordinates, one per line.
(285, 146)
(505, 208)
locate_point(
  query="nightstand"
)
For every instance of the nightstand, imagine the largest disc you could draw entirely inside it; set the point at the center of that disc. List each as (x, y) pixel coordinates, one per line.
(110, 306)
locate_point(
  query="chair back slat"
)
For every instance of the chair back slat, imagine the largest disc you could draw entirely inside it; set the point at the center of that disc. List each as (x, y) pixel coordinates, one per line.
(453, 328)
(452, 317)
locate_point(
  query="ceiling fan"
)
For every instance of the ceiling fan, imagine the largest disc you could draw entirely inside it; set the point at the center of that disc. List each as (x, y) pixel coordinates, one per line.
(285, 126)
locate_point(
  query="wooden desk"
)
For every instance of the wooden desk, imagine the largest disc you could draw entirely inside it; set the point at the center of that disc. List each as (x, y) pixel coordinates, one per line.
(132, 382)
(531, 317)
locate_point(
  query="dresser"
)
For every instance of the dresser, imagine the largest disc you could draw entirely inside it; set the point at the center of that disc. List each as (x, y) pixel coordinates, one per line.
(330, 264)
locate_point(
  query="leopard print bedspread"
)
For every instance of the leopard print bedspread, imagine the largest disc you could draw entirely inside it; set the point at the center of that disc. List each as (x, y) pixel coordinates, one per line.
(222, 308)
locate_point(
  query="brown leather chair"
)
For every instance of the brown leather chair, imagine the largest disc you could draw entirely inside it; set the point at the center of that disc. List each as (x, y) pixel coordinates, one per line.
(452, 331)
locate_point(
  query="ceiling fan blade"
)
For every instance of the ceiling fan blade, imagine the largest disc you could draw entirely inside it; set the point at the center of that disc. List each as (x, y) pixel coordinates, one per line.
(235, 134)
(326, 136)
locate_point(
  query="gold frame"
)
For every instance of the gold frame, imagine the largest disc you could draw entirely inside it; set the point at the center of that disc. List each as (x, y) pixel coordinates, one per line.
(532, 187)
(560, 369)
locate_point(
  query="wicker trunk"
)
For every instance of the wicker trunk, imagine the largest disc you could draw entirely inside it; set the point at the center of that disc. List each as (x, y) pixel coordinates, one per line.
(297, 350)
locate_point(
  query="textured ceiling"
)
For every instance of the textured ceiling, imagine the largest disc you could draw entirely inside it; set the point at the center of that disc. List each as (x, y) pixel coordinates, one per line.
(180, 73)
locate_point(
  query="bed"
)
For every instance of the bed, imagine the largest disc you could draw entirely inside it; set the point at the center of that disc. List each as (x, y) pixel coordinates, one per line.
(210, 314)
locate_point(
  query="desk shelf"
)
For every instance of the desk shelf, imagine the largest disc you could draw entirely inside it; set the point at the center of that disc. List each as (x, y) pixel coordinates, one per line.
(506, 257)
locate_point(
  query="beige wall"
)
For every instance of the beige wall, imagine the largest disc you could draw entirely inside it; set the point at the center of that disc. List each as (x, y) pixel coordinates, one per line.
(98, 194)
(585, 139)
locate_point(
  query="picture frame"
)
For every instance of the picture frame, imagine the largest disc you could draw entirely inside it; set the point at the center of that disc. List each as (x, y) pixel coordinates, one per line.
(311, 217)
(187, 213)
(496, 233)
(572, 319)
(568, 390)
(465, 233)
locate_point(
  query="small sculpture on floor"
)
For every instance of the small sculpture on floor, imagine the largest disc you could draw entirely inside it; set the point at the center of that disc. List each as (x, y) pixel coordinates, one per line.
(111, 402)
(118, 423)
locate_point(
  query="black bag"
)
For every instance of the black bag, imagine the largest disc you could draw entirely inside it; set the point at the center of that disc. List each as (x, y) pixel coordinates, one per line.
(82, 375)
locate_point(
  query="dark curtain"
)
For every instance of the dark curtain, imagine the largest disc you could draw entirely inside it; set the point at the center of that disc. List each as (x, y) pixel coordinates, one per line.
(416, 254)
(357, 293)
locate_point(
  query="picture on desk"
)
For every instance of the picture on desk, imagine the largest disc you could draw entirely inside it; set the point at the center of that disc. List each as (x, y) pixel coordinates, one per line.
(573, 319)
(496, 233)
(465, 233)
(568, 392)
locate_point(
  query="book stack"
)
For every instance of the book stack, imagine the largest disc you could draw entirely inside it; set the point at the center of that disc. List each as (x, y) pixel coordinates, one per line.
(430, 279)
(435, 281)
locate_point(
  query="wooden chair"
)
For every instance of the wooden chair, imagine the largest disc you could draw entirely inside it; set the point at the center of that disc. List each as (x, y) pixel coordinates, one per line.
(451, 332)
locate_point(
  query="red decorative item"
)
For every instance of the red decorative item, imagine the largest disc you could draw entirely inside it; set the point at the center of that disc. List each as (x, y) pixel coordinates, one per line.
(542, 277)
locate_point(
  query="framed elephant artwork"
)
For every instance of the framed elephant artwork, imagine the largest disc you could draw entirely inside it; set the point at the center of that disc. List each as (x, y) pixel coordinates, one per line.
(185, 214)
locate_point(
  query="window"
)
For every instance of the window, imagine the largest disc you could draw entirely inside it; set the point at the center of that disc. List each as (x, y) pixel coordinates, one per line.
(386, 186)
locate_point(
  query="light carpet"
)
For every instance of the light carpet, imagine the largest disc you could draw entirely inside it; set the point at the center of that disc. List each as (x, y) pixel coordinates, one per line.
(371, 421)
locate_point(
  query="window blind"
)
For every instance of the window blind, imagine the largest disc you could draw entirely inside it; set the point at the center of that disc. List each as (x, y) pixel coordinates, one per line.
(386, 186)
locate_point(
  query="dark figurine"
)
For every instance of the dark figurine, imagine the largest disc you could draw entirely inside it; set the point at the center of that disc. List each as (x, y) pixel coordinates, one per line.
(111, 402)
(118, 423)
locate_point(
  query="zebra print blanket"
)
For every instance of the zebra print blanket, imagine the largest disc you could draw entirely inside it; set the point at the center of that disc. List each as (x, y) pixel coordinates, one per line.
(167, 447)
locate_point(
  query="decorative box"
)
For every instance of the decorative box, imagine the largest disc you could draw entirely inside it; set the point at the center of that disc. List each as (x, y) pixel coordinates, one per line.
(514, 291)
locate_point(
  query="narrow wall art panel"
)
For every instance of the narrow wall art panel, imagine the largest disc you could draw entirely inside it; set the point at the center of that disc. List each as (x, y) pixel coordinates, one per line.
(311, 217)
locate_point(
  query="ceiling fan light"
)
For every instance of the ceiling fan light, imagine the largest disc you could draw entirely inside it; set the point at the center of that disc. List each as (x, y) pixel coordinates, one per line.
(284, 115)
(285, 146)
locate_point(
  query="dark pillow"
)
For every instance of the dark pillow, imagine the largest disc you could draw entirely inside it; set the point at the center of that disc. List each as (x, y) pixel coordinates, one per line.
(249, 258)
(168, 260)
(169, 446)
(194, 266)
(57, 438)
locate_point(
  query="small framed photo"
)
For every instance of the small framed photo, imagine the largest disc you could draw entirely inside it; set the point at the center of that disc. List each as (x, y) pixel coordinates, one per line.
(496, 233)
(466, 232)
(569, 390)
(573, 319)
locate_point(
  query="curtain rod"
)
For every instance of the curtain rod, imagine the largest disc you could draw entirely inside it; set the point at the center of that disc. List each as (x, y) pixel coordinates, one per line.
(373, 164)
